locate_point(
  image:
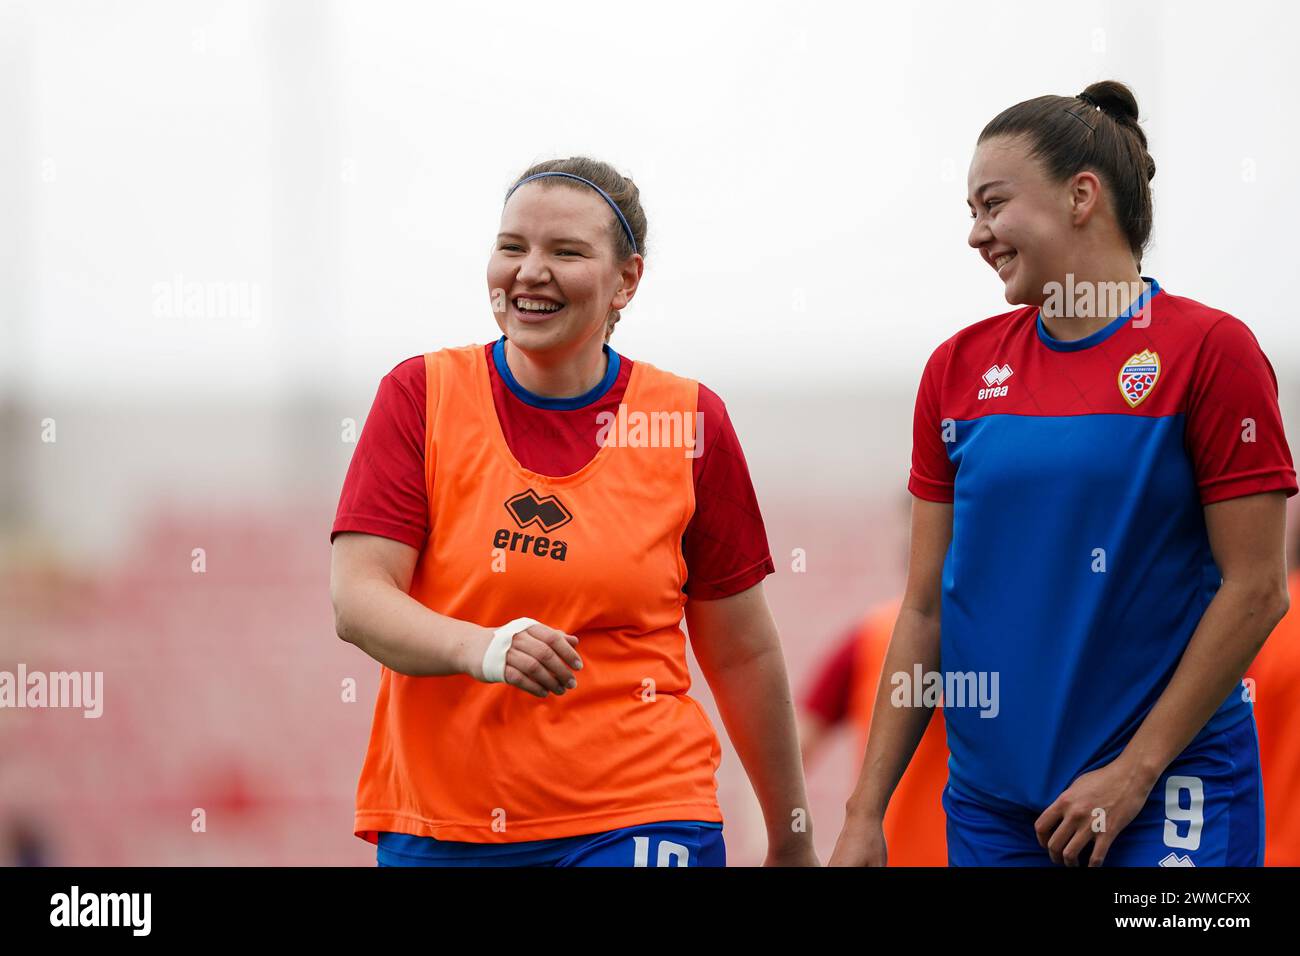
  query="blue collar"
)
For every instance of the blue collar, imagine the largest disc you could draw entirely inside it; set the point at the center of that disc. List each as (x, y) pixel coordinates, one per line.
(612, 362)
(1105, 331)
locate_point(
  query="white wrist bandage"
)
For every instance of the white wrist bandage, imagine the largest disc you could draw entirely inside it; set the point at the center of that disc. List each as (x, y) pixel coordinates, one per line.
(494, 658)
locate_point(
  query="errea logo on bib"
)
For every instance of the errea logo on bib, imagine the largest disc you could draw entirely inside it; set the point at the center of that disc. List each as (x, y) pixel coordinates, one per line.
(994, 378)
(533, 512)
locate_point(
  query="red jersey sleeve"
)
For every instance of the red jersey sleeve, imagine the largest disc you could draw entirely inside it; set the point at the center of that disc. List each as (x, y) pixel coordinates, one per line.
(932, 473)
(725, 544)
(1233, 430)
(384, 492)
(830, 692)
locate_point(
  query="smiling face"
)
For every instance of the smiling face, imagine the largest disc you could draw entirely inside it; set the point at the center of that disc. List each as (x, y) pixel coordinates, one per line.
(554, 262)
(1024, 223)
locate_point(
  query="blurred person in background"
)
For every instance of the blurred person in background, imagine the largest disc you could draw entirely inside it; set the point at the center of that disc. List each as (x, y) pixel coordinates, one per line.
(520, 564)
(1276, 677)
(1097, 536)
(844, 689)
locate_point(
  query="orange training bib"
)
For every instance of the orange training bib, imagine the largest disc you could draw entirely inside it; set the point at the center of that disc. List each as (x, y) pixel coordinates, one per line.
(596, 554)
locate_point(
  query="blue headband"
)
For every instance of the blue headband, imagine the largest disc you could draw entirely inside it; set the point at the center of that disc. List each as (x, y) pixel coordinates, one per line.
(604, 195)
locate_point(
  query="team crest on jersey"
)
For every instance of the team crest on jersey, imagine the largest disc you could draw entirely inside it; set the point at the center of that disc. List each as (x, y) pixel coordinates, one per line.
(1138, 376)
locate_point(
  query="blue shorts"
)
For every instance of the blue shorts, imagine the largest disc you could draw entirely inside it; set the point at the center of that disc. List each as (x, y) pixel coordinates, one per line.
(674, 843)
(1207, 809)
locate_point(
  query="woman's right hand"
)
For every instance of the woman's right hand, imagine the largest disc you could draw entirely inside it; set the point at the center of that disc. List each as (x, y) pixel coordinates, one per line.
(861, 843)
(540, 660)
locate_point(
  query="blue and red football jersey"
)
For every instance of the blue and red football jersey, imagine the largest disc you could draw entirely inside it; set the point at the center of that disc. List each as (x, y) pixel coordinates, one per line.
(1080, 564)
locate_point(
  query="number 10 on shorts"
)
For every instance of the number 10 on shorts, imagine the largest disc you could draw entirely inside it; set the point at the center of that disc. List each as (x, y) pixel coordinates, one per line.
(668, 852)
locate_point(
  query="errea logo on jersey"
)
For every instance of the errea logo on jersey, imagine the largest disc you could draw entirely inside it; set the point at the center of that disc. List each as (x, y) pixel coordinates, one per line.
(994, 378)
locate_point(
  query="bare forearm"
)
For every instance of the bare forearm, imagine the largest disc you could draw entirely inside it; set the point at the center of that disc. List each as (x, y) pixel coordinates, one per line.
(895, 731)
(753, 697)
(1226, 640)
(403, 634)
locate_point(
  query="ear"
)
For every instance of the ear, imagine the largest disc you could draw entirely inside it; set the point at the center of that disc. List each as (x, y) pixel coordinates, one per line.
(630, 272)
(1084, 196)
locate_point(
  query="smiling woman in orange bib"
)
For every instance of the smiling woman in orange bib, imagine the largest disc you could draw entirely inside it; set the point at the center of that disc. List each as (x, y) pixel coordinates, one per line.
(523, 528)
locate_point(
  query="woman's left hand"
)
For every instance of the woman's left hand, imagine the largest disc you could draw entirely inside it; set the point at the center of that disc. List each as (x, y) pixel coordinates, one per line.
(1096, 807)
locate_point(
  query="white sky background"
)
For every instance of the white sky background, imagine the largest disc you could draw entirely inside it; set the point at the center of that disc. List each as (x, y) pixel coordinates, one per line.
(803, 168)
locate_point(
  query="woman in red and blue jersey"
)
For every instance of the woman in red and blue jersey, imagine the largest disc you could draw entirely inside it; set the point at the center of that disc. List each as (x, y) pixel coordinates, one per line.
(524, 527)
(1099, 484)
